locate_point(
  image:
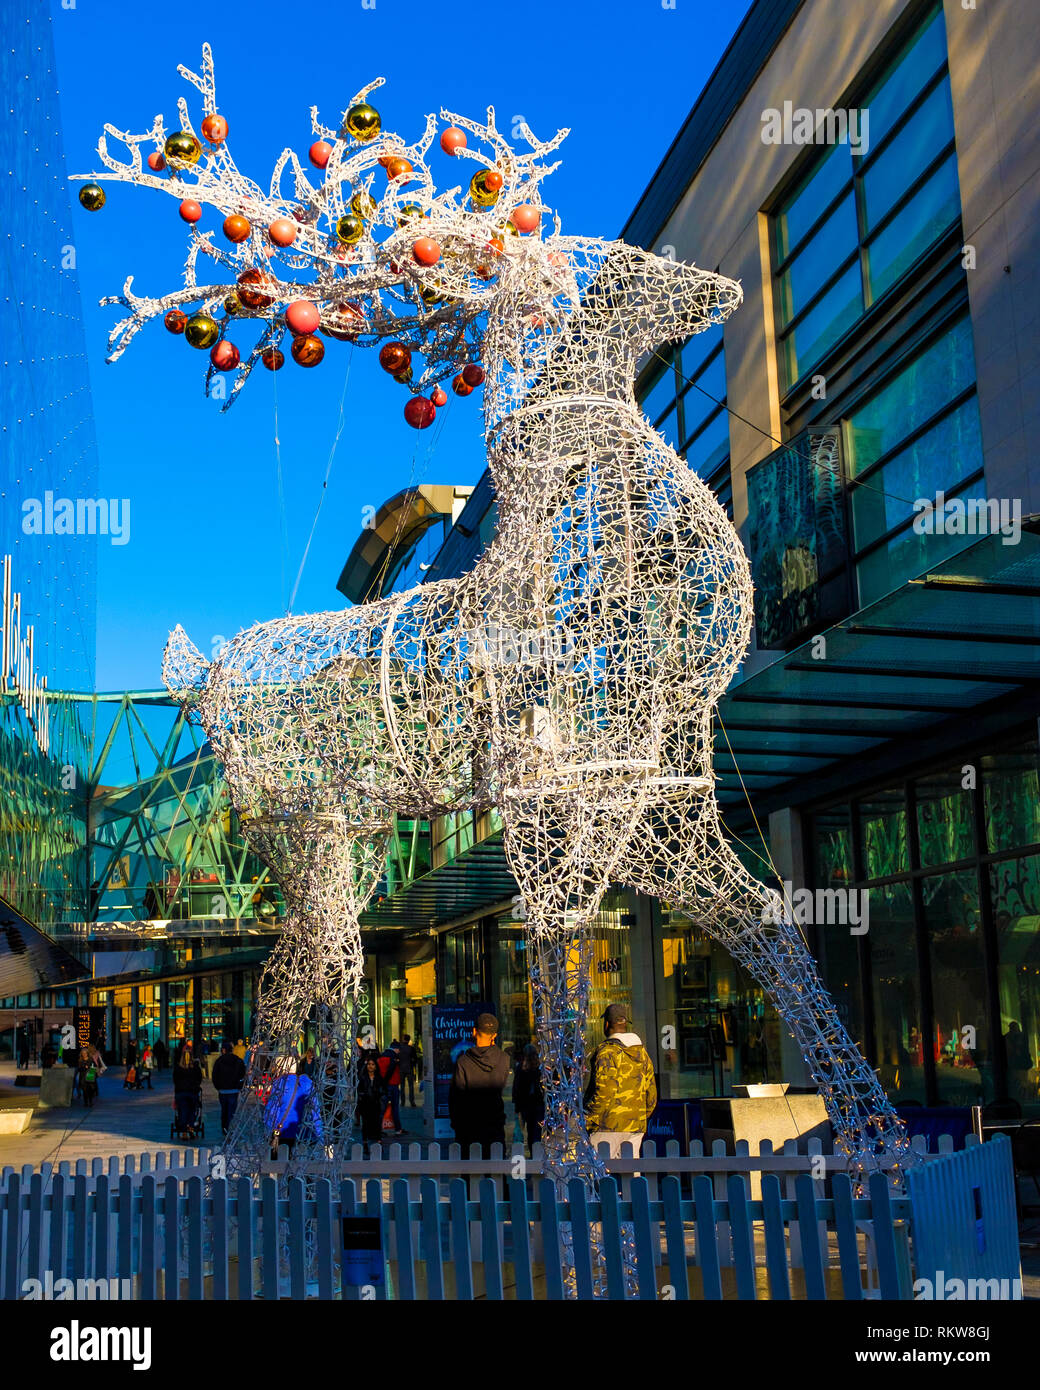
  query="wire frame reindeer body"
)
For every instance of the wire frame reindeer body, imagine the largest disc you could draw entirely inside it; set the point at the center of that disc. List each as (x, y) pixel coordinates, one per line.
(569, 680)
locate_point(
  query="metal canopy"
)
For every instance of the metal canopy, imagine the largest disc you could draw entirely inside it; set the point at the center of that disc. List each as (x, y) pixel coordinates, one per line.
(29, 959)
(960, 636)
(477, 878)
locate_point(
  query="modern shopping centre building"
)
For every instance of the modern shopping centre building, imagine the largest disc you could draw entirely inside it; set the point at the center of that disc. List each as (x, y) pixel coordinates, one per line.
(864, 419)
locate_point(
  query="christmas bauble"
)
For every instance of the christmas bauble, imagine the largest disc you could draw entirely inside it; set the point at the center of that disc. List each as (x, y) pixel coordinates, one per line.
(394, 357)
(439, 396)
(363, 122)
(350, 229)
(232, 304)
(201, 331)
(473, 375)
(224, 356)
(426, 251)
(320, 153)
(408, 212)
(175, 320)
(453, 139)
(482, 193)
(272, 358)
(526, 217)
(182, 148)
(307, 351)
(363, 204)
(92, 197)
(344, 321)
(236, 228)
(397, 166)
(302, 317)
(156, 162)
(253, 298)
(215, 129)
(190, 211)
(404, 376)
(420, 413)
(460, 387)
(282, 232)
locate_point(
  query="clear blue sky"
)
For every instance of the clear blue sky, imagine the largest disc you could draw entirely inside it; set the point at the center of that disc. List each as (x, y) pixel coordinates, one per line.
(207, 544)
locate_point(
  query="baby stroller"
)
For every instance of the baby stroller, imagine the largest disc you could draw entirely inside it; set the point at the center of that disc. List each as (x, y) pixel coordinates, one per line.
(197, 1128)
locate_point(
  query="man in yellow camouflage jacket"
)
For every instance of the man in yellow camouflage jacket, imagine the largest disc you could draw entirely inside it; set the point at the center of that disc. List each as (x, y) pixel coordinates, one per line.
(622, 1092)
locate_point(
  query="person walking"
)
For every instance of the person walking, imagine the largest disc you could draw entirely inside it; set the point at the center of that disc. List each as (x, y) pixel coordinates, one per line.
(622, 1092)
(88, 1074)
(229, 1072)
(478, 1114)
(289, 1109)
(390, 1070)
(161, 1054)
(409, 1057)
(372, 1093)
(204, 1056)
(187, 1092)
(528, 1096)
(240, 1049)
(23, 1050)
(144, 1068)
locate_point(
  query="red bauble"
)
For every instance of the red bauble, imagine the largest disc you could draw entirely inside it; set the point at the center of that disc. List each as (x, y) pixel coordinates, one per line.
(236, 228)
(394, 358)
(272, 358)
(426, 251)
(156, 162)
(453, 140)
(526, 217)
(460, 387)
(253, 298)
(320, 153)
(224, 356)
(439, 396)
(307, 350)
(344, 321)
(398, 165)
(420, 413)
(473, 375)
(175, 320)
(215, 129)
(302, 317)
(492, 180)
(282, 231)
(190, 210)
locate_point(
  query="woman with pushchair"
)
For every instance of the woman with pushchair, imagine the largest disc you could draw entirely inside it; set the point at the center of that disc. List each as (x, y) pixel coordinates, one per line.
(187, 1094)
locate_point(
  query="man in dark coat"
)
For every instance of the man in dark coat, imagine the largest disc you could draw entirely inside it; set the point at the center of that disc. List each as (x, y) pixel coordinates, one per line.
(478, 1115)
(229, 1072)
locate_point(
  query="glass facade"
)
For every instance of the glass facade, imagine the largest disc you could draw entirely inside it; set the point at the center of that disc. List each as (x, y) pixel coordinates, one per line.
(944, 988)
(857, 222)
(47, 453)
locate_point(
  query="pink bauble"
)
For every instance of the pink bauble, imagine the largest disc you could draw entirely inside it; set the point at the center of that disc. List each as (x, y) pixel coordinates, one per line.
(426, 251)
(224, 356)
(282, 232)
(190, 210)
(420, 413)
(302, 317)
(156, 162)
(525, 218)
(320, 153)
(439, 396)
(453, 139)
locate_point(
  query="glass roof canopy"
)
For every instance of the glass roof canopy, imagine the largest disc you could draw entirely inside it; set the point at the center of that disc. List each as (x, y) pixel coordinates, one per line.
(956, 638)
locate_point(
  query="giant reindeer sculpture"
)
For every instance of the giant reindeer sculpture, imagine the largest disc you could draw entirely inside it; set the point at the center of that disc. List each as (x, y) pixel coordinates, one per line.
(570, 679)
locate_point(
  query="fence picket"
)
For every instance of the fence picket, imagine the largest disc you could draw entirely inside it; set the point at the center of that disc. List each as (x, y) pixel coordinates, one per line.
(56, 1245)
(521, 1230)
(581, 1250)
(149, 1245)
(35, 1250)
(80, 1227)
(297, 1241)
(648, 1248)
(13, 1225)
(704, 1206)
(675, 1237)
(848, 1246)
(490, 1240)
(431, 1239)
(610, 1226)
(549, 1214)
(743, 1236)
(195, 1234)
(269, 1237)
(776, 1243)
(460, 1248)
(171, 1236)
(403, 1241)
(815, 1284)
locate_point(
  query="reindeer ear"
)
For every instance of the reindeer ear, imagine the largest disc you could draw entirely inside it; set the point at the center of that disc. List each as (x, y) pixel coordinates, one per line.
(184, 668)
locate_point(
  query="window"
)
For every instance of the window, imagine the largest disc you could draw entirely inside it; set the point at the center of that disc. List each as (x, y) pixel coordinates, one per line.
(856, 223)
(686, 403)
(917, 435)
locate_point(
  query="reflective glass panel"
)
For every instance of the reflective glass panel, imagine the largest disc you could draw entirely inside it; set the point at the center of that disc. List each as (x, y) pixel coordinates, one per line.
(961, 1041)
(1015, 886)
(897, 999)
(908, 154)
(883, 839)
(945, 818)
(935, 206)
(1011, 795)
